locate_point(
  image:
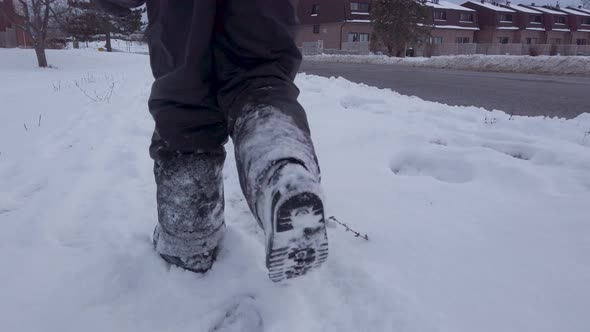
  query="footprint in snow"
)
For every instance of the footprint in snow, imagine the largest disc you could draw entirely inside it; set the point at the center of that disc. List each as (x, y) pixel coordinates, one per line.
(443, 167)
(241, 316)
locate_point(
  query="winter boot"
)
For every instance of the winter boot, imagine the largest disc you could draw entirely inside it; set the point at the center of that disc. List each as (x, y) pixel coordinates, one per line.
(291, 211)
(190, 209)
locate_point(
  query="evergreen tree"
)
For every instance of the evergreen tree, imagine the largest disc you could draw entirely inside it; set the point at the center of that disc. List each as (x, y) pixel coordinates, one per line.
(397, 23)
(86, 21)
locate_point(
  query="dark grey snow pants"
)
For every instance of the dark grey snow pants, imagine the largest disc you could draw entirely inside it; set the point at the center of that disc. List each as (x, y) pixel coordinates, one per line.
(223, 68)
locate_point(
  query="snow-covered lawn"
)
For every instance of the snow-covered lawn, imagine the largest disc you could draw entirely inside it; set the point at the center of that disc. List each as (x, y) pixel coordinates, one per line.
(477, 221)
(555, 65)
(118, 45)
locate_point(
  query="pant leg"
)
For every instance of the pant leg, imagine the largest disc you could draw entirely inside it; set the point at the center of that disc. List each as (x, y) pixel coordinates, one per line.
(256, 62)
(187, 146)
(183, 100)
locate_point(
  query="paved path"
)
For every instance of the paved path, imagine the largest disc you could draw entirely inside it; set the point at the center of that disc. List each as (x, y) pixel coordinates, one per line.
(520, 94)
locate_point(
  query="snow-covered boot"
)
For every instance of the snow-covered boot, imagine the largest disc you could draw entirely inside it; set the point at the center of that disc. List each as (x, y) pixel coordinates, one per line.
(190, 209)
(291, 211)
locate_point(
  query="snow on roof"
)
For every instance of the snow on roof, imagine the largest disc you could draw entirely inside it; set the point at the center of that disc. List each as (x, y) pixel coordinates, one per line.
(547, 10)
(447, 5)
(508, 28)
(455, 27)
(492, 7)
(520, 8)
(584, 10)
(536, 29)
(562, 30)
(574, 12)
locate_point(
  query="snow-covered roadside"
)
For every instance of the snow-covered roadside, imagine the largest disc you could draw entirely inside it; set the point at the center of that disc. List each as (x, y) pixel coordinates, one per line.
(554, 65)
(477, 221)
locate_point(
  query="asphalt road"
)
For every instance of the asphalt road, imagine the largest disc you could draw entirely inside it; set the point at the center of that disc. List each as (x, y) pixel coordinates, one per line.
(519, 94)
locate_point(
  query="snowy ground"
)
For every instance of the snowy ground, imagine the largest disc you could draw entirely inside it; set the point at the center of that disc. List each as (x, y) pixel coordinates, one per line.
(555, 65)
(477, 221)
(118, 45)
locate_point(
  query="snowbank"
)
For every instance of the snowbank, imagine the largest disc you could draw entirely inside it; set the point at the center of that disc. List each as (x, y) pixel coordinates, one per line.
(477, 221)
(555, 65)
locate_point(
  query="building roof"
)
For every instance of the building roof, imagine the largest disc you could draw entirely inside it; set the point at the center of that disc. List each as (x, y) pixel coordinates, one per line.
(492, 7)
(447, 5)
(450, 27)
(574, 12)
(522, 9)
(546, 10)
(584, 10)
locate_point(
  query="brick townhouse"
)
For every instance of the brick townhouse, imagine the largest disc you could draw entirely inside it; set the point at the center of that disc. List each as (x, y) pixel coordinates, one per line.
(10, 35)
(452, 23)
(497, 24)
(579, 24)
(556, 24)
(337, 22)
(334, 22)
(531, 24)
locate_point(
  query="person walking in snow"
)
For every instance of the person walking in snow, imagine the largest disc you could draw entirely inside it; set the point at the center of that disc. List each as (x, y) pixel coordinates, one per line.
(225, 68)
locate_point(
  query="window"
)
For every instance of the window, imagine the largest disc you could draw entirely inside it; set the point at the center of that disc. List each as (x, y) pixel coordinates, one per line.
(315, 9)
(316, 28)
(586, 21)
(535, 19)
(360, 7)
(560, 20)
(556, 41)
(505, 17)
(462, 40)
(503, 40)
(466, 17)
(358, 37)
(440, 15)
(580, 41)
(437, 40)
(531, 41)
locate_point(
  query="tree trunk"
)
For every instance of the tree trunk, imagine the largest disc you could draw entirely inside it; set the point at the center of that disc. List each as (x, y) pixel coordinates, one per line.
(108, 42)
(41, 57)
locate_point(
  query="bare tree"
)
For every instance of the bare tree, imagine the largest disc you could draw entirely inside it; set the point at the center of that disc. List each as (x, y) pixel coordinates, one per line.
(585, 3)
(36, 15)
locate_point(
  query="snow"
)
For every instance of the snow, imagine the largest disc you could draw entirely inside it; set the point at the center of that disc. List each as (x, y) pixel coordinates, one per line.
(456, 27)
(585, 10)
(561, 30)
(118, 45)
(477, 221)
(447, 5)
(492, 7)
(536, 29)
(558, 65)
(508, 28)
(574, 12)
(547, 10)
(520, 8)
